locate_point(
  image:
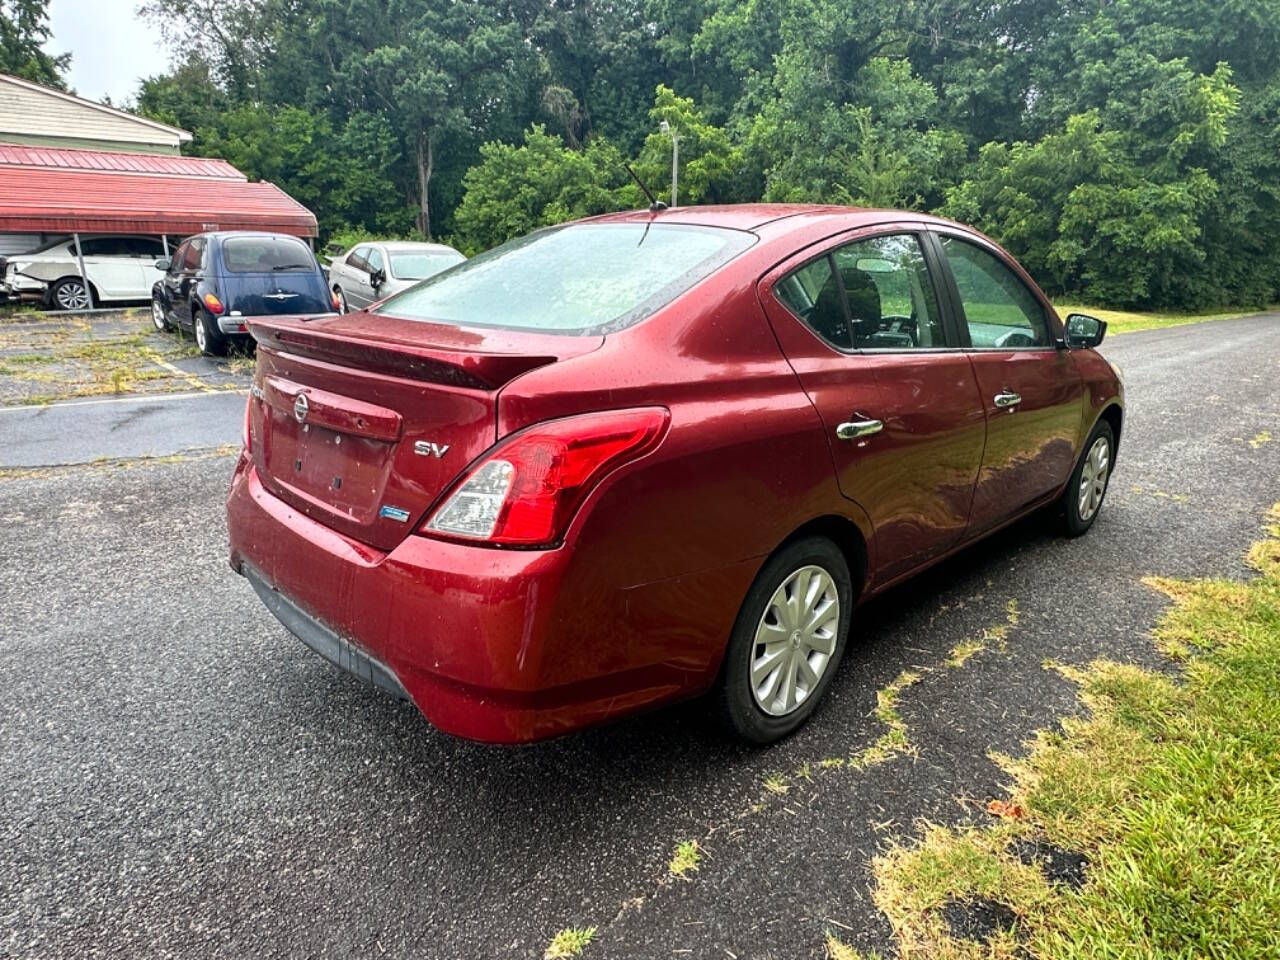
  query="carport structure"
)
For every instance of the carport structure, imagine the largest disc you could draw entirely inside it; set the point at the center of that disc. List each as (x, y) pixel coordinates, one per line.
(74, 192)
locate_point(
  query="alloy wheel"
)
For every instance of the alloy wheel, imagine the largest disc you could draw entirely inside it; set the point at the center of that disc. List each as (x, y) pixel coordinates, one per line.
(202, 335)
(72, 295)
(157, 315)
(1093, 478)
(794, 640)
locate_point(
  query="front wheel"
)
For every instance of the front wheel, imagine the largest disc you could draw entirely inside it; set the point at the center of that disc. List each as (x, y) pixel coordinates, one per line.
(159, 316)
(1082, 499)
(787, 642)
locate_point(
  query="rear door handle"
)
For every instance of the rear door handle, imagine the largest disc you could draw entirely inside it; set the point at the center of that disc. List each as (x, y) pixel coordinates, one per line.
(854, 429)
(1007, 399)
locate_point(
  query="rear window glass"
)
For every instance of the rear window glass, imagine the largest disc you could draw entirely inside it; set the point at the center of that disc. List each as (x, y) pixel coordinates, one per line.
(265, 254)
(585, 278)
(419, 266)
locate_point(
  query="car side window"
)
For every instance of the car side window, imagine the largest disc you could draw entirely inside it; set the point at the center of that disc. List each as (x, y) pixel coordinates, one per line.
(356, 259)
(873, 294)
(374, 259)
(144, 247)
(891, 300)
(105, 247)
(194, 256)
(813, 294)
(999, 309)
(179, 257)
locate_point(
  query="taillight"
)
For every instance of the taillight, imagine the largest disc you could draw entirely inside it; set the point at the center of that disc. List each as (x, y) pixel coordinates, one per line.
(526, 490)
(247, 433)
(213, 303)
(333, 298)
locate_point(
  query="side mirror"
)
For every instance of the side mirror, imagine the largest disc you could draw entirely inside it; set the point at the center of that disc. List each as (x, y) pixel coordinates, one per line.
(1084, 330)
(377, 278)
(162, 266)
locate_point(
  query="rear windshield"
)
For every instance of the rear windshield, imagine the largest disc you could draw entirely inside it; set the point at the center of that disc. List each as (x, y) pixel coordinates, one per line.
(419, 266)
(584, 278)
(265, 254)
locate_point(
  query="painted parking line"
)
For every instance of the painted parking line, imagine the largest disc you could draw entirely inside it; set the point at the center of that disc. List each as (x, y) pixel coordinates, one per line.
(133, 398)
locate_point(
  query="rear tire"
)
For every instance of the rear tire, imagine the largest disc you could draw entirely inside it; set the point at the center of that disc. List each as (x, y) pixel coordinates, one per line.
(1082, 500)
(72, 293)
(342, 300)
(208, 337)
(787, 642)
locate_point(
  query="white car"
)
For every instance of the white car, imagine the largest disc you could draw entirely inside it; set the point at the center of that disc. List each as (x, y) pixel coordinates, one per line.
(118, 269)
(370, 272)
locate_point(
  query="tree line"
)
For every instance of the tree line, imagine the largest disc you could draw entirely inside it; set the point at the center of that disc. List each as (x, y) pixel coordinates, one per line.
(1127, 151)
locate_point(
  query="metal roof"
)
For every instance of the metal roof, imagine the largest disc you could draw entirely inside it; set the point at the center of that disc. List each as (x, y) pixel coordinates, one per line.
(68, 193)
(12, 154)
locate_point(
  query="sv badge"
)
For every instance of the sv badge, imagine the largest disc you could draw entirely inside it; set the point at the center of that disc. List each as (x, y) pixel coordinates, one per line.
(425, 448)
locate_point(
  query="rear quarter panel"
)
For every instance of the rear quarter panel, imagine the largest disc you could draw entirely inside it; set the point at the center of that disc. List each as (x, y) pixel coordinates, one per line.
(663, 552)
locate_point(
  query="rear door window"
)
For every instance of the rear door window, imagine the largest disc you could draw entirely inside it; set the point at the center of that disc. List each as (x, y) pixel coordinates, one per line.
(873, 294)
(105, 247)
(265, 255)
(582, 278)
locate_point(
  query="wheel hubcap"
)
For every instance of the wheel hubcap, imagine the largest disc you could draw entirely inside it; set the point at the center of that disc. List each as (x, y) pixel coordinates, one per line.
(1093, 478)
(73, 296)
(157, 314)
(198, 323)
(795, 639)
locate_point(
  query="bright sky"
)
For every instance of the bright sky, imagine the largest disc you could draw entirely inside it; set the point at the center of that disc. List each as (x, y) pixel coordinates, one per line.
(111, 47)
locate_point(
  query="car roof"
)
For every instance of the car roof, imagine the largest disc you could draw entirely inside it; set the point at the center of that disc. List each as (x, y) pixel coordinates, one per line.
(782, 216)
(231, 234)
(418, 245)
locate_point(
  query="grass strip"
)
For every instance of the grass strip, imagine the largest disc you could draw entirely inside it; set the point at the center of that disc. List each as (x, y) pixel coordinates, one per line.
(1169, 787)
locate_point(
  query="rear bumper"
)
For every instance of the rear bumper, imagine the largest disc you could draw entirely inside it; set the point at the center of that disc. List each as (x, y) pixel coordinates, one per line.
(503, 646)
(238, 325)
(341, 653)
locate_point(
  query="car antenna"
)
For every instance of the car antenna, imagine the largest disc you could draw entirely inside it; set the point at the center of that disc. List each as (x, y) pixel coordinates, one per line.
(655, 205)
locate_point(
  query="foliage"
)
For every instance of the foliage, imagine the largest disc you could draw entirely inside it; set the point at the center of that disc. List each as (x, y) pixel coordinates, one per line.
(516, 189)
(24, 28)
(1164, 784)
(1129, 152)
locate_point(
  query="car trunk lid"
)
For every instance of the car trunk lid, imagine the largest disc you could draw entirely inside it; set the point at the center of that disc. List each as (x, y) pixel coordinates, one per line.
(361, 422)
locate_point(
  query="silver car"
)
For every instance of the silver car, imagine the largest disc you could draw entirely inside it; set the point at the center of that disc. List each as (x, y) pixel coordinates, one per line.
(370, 272)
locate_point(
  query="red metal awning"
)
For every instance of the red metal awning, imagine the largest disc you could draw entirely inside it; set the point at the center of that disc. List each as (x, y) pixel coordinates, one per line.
(45, 190)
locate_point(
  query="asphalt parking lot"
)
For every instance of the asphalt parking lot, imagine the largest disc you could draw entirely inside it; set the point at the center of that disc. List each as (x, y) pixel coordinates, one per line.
(181, 778)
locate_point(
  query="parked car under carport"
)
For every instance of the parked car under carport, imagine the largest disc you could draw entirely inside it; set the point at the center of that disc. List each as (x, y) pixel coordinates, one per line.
(83, 195)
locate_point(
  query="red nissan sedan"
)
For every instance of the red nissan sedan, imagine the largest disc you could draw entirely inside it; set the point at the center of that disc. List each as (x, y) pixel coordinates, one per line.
(641, 457)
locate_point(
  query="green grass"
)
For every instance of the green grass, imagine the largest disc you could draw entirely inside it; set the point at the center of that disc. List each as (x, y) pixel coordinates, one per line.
(686, 858)
(1126, 321)
(569, 942)
(1171, 786)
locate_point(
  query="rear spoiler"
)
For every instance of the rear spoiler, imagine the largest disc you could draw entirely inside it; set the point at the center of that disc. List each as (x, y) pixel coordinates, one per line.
(399, 358)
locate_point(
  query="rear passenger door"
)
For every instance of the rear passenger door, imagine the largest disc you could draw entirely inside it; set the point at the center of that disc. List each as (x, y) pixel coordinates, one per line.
(873, 342)
(356, 278)
(1030, 388)
(111, 268)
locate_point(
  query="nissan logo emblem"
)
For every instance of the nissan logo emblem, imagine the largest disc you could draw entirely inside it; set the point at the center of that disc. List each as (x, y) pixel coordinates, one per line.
(300, 407)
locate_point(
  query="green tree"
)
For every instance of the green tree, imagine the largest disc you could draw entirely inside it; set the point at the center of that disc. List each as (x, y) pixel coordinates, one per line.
(24, 29)
(515, 189)
(879, 147)
(712, 169)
